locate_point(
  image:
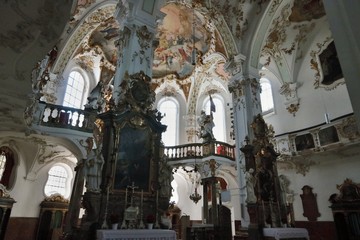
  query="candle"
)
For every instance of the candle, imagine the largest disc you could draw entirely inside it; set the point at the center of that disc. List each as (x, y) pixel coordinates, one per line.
(107, 194)
(125, 197)
(142, 196)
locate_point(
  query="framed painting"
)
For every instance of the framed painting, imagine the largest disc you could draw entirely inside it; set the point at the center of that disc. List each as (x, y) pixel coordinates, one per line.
(133, 158)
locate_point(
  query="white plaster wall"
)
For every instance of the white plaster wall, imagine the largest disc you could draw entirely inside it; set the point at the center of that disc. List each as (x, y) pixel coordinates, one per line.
(330, 170)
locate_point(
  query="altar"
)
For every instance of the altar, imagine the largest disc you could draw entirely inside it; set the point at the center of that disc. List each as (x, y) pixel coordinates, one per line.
(143, 234)
(286, 233)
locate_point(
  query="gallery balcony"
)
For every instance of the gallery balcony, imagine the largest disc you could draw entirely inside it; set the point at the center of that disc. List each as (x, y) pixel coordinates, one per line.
(53, 120)
(187, 153)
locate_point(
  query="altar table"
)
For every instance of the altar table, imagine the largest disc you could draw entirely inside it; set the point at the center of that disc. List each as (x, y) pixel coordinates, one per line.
(136, 234)
(286, 233)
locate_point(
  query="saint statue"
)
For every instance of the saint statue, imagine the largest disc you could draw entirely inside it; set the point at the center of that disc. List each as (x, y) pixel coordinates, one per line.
(206, 124)
(93, 166)
(250, 186)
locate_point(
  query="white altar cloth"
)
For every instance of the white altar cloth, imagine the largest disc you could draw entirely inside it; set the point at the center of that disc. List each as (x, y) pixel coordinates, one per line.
(281, 233)
(138, 234)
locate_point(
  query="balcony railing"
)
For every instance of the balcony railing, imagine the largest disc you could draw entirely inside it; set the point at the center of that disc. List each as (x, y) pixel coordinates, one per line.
(66, 117)
(200, 150)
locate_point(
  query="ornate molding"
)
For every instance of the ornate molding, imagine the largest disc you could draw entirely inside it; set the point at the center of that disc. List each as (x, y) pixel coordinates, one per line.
(315, 64)
(301, 164)
(89, 24)
(289, 92)
(348, 128)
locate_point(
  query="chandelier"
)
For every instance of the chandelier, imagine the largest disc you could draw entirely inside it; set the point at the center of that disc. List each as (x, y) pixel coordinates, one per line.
(195, 197)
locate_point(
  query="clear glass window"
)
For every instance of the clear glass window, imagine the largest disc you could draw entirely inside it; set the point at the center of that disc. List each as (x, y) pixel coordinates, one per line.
(266, 96)
(2, 163)
(56, 182)
(74, 90)
(169, 108)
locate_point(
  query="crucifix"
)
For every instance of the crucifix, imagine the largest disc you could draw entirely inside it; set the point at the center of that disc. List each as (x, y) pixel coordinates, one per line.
(132, 187)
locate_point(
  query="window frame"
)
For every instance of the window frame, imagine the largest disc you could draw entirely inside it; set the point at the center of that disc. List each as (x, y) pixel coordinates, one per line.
(83, 92)
(68, 182)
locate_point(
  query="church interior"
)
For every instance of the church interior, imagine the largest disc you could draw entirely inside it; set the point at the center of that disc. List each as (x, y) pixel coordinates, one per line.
(204, 119)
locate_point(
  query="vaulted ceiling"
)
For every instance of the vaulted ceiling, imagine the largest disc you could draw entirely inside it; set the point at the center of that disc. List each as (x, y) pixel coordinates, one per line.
(275, 34)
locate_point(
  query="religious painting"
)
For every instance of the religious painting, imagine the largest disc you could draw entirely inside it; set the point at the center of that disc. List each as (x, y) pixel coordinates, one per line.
(328, 135)
(304, 142)
(330, 65)
(133, 158)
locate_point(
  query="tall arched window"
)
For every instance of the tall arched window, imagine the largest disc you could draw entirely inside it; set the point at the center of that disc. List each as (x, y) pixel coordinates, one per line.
(7, 163)
(170, 108)
(219, 129)
(74, 94)
(266, 96)
(58, 181)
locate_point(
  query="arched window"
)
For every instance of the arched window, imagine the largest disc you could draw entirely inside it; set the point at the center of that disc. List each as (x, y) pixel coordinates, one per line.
(74, 94)
(7, 163)
(266, 96)
(219, 129)
(58, 182)
(170, 108)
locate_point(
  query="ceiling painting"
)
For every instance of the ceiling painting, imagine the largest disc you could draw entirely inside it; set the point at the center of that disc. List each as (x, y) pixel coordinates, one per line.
(176, 41)
(307, 10)
(105, 36)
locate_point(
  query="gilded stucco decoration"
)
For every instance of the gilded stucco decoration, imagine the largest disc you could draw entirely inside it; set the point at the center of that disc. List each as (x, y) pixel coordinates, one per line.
(233, 14)
(86, 63)
(91, 22)
(348, 128)
(277, 37)
(301, 164)
(145, 40)
(56, 198)
(289, 92)
(293, 108)
(307, 10)
(123, 41)
(168, 92)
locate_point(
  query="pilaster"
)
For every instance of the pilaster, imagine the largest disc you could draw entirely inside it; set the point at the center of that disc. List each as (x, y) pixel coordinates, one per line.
(138, 20)
(245, 91)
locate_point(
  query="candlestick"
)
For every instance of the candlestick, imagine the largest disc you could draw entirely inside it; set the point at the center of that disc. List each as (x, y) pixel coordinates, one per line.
(125, 197)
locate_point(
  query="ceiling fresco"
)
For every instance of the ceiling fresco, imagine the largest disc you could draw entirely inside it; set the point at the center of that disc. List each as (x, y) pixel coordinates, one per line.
(307, 10)
(176, 41)
(106, 36)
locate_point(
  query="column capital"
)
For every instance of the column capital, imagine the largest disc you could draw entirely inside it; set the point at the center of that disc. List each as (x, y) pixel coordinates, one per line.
(234, 66)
